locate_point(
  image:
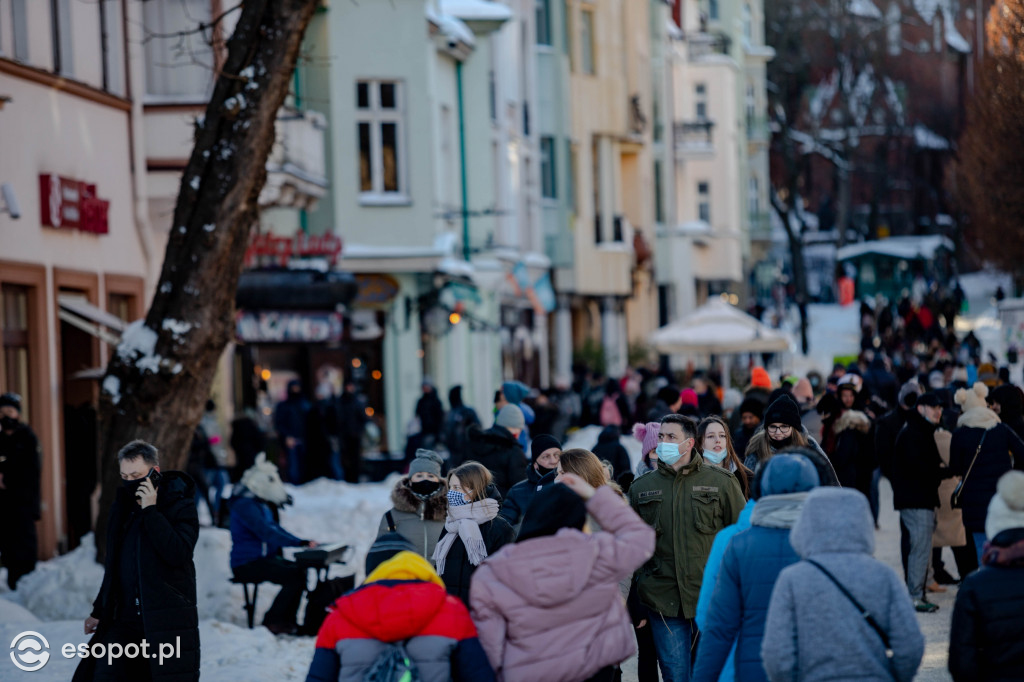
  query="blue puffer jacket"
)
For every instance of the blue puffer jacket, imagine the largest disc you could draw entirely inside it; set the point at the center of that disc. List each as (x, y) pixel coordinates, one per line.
(739, 604)
(711, 570)
(254, 533)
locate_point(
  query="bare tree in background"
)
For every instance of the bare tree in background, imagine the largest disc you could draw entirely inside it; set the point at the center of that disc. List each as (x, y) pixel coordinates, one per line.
(989, 174)
(160, 377)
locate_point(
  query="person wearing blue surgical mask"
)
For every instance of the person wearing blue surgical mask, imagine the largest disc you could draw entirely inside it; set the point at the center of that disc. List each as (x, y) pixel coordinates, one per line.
(687, 500)
(715, 444)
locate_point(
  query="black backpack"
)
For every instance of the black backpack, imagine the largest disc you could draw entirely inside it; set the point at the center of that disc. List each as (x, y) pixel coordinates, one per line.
(319, 601)
(393, 665)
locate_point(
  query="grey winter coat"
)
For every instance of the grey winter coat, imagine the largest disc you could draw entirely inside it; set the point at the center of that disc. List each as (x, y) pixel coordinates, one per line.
(813, 632)
(419, 520)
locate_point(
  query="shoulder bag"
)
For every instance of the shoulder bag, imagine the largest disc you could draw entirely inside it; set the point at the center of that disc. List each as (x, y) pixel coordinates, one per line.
(865, 614)
(956, 499)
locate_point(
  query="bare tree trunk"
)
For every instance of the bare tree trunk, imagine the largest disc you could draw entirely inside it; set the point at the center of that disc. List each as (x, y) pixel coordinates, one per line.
(159, 378)
(796, 255)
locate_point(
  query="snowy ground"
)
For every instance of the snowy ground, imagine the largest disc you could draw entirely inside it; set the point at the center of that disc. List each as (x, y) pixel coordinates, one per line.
(55, 599)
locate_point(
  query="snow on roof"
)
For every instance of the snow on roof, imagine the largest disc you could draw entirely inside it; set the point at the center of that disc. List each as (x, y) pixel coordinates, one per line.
(907, 248)
(476, 10)
(927, 9)
(452, 27)
(925, 138)
(864, 9)
(956, 42)
(674, 32)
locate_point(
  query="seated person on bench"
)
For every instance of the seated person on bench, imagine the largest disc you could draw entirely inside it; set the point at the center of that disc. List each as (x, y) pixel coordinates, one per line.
(257, 539)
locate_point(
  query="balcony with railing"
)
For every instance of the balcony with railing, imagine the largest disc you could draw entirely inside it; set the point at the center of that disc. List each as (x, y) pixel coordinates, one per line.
(694, 137)
(296, 167)
(702, 46)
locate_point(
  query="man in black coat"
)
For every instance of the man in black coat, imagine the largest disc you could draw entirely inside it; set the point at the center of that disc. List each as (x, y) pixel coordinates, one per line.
(916, 474)
(886, 429)
(610, 448)
(20, 466)
(540, 473)
(149, 583)
(498, 448)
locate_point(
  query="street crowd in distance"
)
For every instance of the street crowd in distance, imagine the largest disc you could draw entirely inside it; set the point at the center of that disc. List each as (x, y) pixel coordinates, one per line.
(739, 547)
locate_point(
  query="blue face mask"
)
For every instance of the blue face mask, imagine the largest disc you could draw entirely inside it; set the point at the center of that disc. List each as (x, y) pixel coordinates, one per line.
(715, 457)
(668, 453)
(456, 499)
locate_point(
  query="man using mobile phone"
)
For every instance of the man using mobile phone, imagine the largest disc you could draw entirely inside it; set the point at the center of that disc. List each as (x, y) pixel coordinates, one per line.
(149, 584)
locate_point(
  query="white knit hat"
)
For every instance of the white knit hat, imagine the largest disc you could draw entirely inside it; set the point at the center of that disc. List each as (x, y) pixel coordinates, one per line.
(1006, 510)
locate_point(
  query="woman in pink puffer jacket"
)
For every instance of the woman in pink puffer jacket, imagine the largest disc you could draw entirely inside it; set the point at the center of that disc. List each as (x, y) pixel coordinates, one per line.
(548, 607)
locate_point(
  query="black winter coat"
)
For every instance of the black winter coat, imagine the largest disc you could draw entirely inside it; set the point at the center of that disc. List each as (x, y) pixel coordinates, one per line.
(886, 429)
(167, 587)
(458, 571)
(1002, 447)
(501, 453)
(985, 643)
(610, 448)
(20, 464)
(917, 466)
(521, 494)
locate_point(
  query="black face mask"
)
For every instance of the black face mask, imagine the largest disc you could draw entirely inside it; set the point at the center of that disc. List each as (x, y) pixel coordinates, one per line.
(425, 488)
(784, 443)
(9, 423)
(543, 471)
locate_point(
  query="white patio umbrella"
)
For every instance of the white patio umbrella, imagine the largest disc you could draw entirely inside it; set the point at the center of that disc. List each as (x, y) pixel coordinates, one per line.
(721, 329)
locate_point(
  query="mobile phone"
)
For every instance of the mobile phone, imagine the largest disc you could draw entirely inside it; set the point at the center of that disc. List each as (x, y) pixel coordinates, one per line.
(155, 477)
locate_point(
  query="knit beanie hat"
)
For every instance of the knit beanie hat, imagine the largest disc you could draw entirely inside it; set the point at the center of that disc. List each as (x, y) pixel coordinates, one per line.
(542, 443)
(689, 397)
(511, 417)
(553, 508)
(514, 391)
(385, 547)
(426, 461)
(803, 390)
(788, 474)
(647, 434)
(974, 398)
(752, 406)
(783, 411)
(759, 378)
(11, 400)
(731, 399)
(1006, 510)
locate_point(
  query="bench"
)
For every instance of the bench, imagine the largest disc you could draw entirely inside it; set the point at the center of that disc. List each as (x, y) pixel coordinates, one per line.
(250, 602)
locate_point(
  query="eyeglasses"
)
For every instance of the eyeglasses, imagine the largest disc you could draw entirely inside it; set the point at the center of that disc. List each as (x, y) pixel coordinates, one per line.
(779, 428)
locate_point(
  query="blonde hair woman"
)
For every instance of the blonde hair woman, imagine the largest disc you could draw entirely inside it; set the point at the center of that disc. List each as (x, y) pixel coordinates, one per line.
(472, 528)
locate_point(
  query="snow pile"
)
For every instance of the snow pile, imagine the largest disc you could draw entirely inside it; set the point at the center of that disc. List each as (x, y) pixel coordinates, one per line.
(864, 9)
(586, 438)
(925, 138)
(64, 587)
(138, 345)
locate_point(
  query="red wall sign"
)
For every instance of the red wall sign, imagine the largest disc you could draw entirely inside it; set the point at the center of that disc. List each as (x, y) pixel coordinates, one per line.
(72, 204)
(280, 250)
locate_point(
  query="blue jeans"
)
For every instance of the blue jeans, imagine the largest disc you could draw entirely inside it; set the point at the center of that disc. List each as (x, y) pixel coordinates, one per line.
(672, 641)
(979, 545)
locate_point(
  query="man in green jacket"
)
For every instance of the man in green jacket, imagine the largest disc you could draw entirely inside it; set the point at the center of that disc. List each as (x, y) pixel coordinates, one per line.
(687, 500)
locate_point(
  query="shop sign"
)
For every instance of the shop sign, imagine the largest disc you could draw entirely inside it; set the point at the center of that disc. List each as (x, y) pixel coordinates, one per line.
(72, 204)
(267, 326)
(281, 250)
(375, 290)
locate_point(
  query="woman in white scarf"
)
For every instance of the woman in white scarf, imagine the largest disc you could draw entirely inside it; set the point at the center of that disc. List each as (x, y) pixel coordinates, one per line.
(472, 529)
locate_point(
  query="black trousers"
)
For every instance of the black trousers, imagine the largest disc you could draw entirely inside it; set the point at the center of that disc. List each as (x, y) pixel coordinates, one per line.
(123, 668)
(19, 544)
(647, 655)
(289, 575)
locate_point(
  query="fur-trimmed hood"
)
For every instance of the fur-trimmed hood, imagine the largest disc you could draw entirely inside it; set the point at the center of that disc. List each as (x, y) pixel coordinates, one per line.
(976, 414)
(853, 419)
(434, 508)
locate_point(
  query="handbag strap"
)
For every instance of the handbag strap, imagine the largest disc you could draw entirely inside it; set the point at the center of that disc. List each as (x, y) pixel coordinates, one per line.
(975, 459)
(865, 614)
(391, 522)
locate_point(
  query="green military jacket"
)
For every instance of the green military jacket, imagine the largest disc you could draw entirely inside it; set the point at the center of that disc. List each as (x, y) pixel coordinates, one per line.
(687, 509)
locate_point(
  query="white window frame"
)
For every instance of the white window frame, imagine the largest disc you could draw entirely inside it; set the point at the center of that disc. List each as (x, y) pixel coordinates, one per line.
(375, 116)
(700, 98)
(548, 167)
(704, 201)
(588, 57)
(542, 18)
(162, 58)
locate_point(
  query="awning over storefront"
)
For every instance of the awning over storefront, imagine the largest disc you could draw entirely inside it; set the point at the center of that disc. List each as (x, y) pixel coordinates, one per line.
(81, 314)
(295, 290)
